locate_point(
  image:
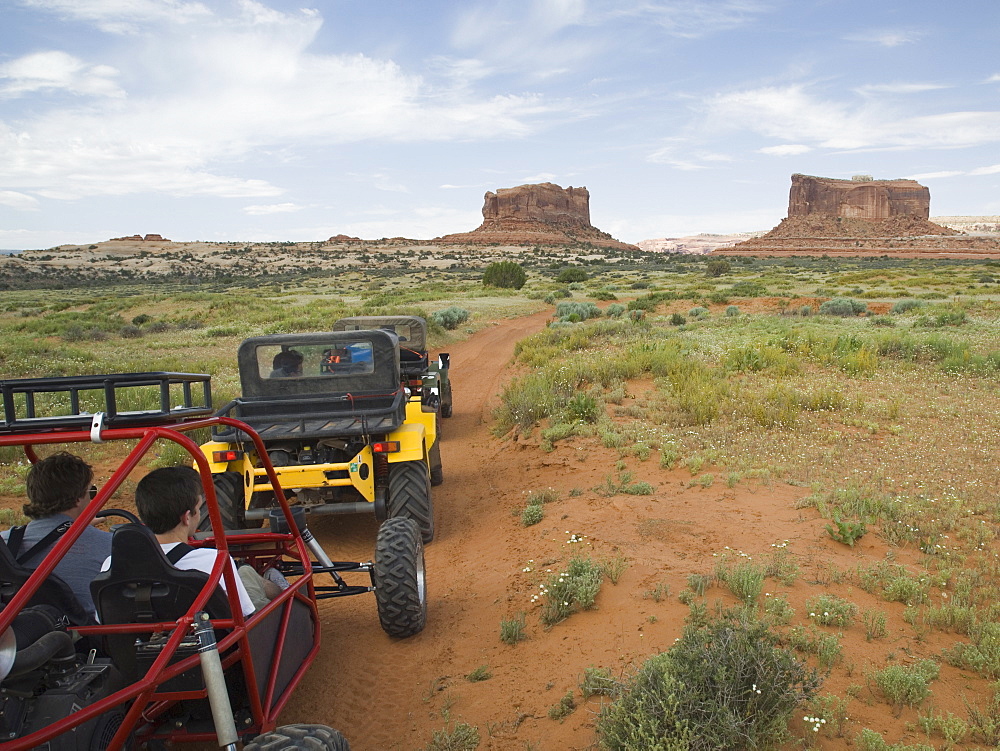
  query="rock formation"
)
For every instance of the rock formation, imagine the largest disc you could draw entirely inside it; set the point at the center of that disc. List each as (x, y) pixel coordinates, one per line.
(861, 217)
(540, 214)
(140, 238)
(858, 198)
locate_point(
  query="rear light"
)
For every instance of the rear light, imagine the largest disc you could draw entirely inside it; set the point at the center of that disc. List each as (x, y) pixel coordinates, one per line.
(386, 447)
(226, 456)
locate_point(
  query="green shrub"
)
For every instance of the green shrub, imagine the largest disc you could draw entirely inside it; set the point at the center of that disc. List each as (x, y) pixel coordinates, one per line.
(903, 685)
(572, 590)
(717, 267)
(732, 311)
(830, 610)
(904, 306)
(463, 737)
(450, 318)
(982, 655)
(531, 515)
(615, 310)
(571, 274)
(725, 684)
(676, 319)
(512, 631)
(577, 311)
(843, 306)
(698, 312)
(564, 708)
(504, 274)
(481, 673)
(597, 682)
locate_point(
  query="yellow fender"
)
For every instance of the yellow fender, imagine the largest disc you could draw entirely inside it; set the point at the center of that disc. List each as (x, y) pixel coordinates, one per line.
(411, 443)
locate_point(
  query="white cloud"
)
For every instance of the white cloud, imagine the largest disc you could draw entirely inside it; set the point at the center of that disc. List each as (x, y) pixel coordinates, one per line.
(995, 78)
(991, 170)
(202, 97)
(897, 88)
(271, 208)
(692, 19)
(124, 16)
(20, 201)
(786, 149)
(682, 155)
(936, 175)
(887, 37)
(54, 70)
(793, 113)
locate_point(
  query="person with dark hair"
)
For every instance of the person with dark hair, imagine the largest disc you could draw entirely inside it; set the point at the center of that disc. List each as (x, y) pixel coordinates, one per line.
(286, 364)
(169, 501)
(59, 488)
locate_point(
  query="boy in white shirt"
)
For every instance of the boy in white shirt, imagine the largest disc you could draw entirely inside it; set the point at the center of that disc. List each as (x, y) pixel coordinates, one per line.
(169, 501)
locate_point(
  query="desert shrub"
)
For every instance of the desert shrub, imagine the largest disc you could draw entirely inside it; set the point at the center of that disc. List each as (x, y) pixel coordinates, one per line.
(676, 319)
(732, 311)
(830, 610)
(582, 408)
(748, 289)
(512, 631)
(577, 311)
(158, 327)
(717, 267)
(904, 306)
(616, 310)
(463, 737)
(450, 318)
(532, 514)
(906, 685)
(572, 590)
(130, 332)
(571, 274)
(698, 312)
(725, 684)
(504, 274)
(604, 294)
(597, 682)
(881, 321)
(982, 655)
(141, 319)
(842, 306)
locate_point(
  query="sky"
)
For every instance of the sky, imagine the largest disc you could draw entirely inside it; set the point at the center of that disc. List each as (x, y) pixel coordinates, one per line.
(271, 120)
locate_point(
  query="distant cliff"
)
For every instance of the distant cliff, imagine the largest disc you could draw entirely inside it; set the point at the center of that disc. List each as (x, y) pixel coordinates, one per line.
(538, 214)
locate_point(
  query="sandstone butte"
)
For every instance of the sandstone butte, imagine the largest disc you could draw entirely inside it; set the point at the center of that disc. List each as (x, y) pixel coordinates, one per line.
(862, 217)
(539, 214)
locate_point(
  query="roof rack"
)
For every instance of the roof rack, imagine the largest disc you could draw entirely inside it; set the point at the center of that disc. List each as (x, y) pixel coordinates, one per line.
(115, 400)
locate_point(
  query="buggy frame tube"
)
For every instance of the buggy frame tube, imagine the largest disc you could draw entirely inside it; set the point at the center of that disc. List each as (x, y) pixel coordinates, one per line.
(142, 691)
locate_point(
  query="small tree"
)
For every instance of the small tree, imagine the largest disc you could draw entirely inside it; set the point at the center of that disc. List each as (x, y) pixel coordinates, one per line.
(717, 267)
(572, 274)
(504, 274)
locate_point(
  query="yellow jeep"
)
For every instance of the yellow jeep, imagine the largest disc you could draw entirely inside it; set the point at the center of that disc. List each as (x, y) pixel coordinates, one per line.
(342, 432)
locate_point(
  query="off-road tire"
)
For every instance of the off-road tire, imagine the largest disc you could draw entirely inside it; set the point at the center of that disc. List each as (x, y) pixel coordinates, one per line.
(229, 493)
(410, 496)
(446, 402)
(400, 590)
(306, 737)
(434, 459)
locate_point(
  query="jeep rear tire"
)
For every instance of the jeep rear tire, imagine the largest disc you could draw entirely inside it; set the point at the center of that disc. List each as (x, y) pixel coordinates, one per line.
(229, 494)
(398, 574)
(410, 496)
(306, 737)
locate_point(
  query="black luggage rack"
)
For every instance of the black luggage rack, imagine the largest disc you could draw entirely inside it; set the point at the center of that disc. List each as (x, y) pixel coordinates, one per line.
(21, 405)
